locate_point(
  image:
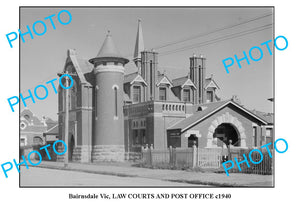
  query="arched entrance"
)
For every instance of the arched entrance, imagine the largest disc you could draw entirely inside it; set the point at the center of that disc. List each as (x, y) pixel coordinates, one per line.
(233, 127)
(227, 133)
(71, 147)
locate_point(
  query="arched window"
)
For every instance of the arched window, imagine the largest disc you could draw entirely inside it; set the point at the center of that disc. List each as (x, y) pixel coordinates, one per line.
(151, 77)
(116, 101)
(73, 98)
(37, 140)
(95, 98)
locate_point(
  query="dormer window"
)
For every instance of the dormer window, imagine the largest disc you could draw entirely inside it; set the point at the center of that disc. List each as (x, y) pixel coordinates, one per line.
(136, 94)
(162, 93)
(210, 97)
(186, 95)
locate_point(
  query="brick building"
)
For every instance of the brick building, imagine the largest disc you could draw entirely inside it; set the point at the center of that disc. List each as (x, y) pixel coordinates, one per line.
(32, 131)
(113, 115)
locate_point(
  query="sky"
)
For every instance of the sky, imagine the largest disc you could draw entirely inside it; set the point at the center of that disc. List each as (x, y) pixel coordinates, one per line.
(44, 56)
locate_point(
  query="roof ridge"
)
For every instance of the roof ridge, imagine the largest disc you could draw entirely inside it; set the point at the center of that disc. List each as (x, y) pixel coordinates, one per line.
(52, 128)
(180, 77)
(131, 73)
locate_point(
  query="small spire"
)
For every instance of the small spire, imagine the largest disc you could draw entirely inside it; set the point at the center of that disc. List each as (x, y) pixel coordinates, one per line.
(139, 44)
(108, 50)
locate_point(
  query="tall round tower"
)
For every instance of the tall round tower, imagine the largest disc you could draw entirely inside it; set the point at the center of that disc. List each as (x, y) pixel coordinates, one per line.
(108, 144)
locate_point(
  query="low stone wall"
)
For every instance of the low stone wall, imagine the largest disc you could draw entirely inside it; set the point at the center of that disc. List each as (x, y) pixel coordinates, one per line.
(81, 154)
(133, 156)
(102, 153)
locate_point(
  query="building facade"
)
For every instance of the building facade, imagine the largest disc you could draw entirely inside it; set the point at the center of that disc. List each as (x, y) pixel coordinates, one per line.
(32, 131)
(113, 115)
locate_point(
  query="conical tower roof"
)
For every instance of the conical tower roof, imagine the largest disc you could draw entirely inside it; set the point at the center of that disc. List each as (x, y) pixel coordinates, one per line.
(139, 44)
(108, 52)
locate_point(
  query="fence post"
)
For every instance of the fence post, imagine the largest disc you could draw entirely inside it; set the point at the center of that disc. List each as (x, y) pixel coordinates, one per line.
(174, 156)
(144, 154)
(194, 155)
(170, 155)
(150, 150)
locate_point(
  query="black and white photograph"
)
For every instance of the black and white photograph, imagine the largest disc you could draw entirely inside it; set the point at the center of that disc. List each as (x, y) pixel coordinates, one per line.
(111, 106)
(148, 101)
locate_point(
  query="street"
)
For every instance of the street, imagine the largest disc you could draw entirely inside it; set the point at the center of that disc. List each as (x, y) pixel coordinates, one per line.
(35, 176)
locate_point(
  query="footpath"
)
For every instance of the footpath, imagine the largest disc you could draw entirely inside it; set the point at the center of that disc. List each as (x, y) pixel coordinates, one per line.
(192, 177)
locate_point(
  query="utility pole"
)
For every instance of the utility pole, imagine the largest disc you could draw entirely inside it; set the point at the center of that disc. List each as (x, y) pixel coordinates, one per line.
(67, 120)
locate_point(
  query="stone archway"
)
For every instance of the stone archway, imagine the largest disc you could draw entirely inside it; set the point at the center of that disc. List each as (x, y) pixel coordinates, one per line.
(225, 118)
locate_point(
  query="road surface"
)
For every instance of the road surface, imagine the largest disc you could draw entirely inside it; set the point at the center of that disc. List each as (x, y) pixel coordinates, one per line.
(43, 177)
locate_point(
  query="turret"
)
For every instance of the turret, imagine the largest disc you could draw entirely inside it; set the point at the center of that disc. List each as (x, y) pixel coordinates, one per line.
(108, 144)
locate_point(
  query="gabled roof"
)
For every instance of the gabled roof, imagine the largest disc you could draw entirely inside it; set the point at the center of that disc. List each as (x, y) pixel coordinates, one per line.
(33, 120)
(269, 117)
(179, 81)
(163, 79)
(210, 109)
(183, 81)
(210, 82)
(85, 65)
(134, 77)
(79, 65)
(52, 131)
(189, 83)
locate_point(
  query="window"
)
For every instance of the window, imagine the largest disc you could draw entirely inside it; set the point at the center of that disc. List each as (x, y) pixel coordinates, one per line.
(37, 140)
(95, 99)
(116, 101)
(269, 136)
(210, 96)
(143, 133)
(22, 142)
(200, 86)
(27, 117)
(151, 77)
(254, 136)
(162, 94)
(22, 125)
(135, 137)
(268, 132)
(73, 98)
(186, 95)
(136, 93)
